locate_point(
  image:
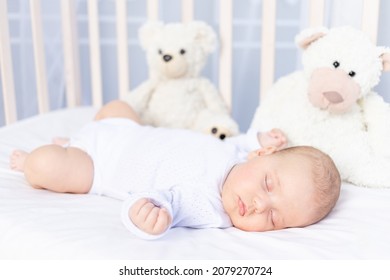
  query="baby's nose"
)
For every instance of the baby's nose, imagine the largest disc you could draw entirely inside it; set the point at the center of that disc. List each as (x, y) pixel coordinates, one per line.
(261, 205)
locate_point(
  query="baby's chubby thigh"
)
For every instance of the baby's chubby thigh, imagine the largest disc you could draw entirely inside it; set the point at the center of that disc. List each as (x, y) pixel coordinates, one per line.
(59, 169)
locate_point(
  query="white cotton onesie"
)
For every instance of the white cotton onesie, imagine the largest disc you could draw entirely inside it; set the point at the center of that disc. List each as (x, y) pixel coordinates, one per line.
(180, 170)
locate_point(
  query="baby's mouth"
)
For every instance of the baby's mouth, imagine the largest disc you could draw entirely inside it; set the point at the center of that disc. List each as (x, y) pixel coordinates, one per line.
(241, 207)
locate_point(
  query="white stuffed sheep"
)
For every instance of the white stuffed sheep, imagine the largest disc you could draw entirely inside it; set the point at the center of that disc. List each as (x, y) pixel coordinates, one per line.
(331, 105)
(175, 95)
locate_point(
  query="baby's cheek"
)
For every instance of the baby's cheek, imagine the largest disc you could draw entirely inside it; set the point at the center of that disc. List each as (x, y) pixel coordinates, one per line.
(251, 223)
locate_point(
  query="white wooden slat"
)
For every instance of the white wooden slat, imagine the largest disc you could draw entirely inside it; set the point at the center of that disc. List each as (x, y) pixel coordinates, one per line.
(187, 10)
(39, 56)
(71, 53)
(316, 12)
(370, 18)
(267, 63)
(122, 48)
(6, 67)
(94, 53)
(152, 9)
(225, 58)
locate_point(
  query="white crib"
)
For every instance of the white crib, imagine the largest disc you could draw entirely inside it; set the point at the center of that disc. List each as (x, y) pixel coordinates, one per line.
(39, 224)
(71, 55)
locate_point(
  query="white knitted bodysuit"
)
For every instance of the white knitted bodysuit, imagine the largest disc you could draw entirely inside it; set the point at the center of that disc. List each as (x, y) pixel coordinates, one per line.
(180, 170)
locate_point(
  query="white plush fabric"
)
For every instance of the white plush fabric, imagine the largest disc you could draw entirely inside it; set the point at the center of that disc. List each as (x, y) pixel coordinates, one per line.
(37, 224)
(175, 94)
(357, 139)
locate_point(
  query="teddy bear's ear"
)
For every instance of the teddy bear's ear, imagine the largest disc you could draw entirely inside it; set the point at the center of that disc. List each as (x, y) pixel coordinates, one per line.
(310, 35)
(204, 35)
(147, 33)
(384, 54)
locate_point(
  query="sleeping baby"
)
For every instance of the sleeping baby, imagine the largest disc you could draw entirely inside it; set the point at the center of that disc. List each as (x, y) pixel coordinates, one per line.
(180, 178)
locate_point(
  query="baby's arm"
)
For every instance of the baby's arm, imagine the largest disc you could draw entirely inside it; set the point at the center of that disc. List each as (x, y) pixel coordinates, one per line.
(150, 218)
(150, 215)
(254, 140)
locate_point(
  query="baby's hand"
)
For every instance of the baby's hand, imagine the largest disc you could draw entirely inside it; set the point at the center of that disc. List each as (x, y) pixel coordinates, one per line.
(149, 217)
(274, 137)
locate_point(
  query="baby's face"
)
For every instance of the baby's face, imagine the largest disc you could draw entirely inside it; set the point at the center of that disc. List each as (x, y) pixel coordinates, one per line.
(270, 192)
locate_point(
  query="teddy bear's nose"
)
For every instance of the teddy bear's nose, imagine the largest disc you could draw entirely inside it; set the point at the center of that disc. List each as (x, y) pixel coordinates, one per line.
(333, 97)
(167, 57)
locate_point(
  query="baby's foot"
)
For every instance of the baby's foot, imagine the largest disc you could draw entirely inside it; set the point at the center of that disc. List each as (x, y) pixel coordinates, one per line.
(17, 159)
(60, 141)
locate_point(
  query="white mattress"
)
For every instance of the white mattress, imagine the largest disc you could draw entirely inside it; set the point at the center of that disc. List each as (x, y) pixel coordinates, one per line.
(38, 224)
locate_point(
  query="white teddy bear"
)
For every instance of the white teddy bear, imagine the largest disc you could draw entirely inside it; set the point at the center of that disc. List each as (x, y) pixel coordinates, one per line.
(330, 104)
(175, 95)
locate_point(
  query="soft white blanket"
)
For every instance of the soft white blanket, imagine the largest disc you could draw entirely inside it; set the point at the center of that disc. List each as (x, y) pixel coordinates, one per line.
(44, 225)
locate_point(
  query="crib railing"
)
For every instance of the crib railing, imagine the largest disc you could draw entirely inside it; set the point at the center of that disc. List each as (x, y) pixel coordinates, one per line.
(71, 55)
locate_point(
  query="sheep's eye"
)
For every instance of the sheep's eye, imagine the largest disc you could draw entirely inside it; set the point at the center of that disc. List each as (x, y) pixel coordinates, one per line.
(336, 64)
(182, 51)
(352, 73)
(159, 51)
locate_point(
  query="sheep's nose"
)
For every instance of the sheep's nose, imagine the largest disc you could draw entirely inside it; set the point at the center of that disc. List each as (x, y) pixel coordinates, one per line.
(333, 97)
(167, 57)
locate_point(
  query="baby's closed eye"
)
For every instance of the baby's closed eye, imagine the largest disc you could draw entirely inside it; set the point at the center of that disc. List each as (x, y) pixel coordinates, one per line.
(268, 183)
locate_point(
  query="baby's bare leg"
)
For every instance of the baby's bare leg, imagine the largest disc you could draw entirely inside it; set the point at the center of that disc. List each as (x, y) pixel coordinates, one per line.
(117, 109)
(52, 167)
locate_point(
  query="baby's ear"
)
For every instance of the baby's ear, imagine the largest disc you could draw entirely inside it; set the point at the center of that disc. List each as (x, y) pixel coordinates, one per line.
(262, 152)
(148, 32)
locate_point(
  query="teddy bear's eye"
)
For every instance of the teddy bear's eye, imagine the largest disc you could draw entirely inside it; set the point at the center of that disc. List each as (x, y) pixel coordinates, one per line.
(159, 51)
(336, 64)
(182, 51)
(352, 73)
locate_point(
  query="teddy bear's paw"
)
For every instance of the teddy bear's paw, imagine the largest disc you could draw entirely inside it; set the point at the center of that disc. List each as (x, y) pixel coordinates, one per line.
(220, 132)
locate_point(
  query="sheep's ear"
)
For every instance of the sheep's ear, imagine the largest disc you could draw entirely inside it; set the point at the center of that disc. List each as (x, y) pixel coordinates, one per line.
(384, 54)
(147, 33)
(204, 35)
(310, 35)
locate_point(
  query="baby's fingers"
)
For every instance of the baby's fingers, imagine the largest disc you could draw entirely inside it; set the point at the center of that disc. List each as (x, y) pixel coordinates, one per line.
(276, 133)
(140, 210)
(163, 221)
(279, 138)
(157, 221)
(149, 217)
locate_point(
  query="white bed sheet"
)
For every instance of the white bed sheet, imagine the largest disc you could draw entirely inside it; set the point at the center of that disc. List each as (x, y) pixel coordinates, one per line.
(38, 224)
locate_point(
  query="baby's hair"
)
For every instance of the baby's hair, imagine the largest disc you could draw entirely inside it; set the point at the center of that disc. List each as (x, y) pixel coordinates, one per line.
(325, 175)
